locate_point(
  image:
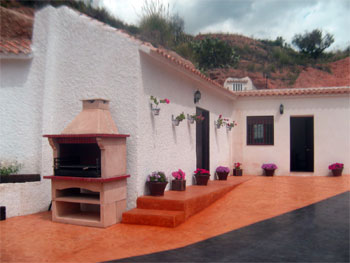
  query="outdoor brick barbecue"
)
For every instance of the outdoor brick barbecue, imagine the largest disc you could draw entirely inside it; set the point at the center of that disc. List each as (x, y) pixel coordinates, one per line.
(89, 181)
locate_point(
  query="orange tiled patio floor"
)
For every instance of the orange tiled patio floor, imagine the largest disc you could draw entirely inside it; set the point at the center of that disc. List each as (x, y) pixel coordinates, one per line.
(35, 238)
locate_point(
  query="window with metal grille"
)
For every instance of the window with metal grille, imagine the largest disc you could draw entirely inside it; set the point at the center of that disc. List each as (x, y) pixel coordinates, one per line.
(260, 130)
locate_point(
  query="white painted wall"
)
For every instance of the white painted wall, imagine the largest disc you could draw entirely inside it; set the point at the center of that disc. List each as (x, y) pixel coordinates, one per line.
(165, 147)
(74, 58)
(331, 132)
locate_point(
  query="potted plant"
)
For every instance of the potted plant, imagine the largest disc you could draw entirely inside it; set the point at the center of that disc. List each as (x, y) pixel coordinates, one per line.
(269, 168)
(157, 182)
(237, 170)
(9, 170)
(230, 125)
(202, 176)
(222, 172)
(178, 119)
(179, 182)
(336, 168)
(195, 118)
(154, 100)
(219, 122)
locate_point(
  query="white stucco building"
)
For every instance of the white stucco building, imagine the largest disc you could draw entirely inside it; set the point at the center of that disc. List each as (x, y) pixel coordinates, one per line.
(75, 57)
(239, 84)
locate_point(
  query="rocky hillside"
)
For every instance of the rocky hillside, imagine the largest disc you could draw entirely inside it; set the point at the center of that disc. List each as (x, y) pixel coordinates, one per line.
(270, 64)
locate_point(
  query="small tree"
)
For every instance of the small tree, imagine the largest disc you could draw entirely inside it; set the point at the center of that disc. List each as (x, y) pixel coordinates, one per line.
(214, 53)
(313, 43)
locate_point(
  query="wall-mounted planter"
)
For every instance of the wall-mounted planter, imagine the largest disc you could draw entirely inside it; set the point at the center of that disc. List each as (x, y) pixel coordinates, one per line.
(228, 127)
(190, 119)
(19, 178)
(155, 110)
(176, 122)
(217, 124)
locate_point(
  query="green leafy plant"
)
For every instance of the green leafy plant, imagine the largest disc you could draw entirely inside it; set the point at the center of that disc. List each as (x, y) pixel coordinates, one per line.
(313, 43)
(7, 167)
(157, 176)
(180, 117)
(197, 118)
(214, 53)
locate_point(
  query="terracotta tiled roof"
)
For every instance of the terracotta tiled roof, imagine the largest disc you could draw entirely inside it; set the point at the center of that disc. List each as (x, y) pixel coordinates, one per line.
(15, 46)
(291, 92)
(182, 62)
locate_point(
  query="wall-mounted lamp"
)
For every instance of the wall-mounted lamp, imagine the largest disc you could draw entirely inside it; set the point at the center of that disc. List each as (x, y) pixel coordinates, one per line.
(197, 96)
(281, 109)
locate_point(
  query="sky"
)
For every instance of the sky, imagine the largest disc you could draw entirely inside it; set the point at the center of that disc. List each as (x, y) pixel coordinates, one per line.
(262, 19)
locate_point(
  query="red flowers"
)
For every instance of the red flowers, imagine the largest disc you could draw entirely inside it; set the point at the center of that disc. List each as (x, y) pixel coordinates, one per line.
(237, 165)
(335, 166)
(164, 101)
(201, 171)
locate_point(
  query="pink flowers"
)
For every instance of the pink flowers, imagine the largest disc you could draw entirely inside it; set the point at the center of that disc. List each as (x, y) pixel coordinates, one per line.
(201, 171)
(179, 175)
(156, 102)
(269, 166)
(222, 169)
(335, 166)
(164, 101)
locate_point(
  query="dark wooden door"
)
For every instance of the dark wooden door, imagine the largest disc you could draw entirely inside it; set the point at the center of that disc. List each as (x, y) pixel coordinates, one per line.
(302, 144)
(202, 140)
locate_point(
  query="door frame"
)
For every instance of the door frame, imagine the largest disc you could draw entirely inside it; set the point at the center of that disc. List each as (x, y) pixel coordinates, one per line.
(313, 143)
(205, 160)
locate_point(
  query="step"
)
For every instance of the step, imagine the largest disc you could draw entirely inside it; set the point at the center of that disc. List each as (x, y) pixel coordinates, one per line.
(175, 207)
(153, 217)
(191, 201)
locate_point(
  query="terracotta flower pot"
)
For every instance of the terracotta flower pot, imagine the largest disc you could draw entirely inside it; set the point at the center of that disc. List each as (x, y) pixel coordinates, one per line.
(202, 179)
(178, 185)
(157, 188)
(222, 176)
(337, 172)
(269, 172)
(237, 172)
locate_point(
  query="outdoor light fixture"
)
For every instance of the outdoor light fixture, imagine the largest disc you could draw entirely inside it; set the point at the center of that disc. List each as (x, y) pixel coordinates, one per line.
(197, 96)
(281, 109)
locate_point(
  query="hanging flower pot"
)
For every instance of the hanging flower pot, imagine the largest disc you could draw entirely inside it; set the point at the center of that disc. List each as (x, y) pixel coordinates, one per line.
(230, 125)
(191, 118)
(176, 121)
(155, 109)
